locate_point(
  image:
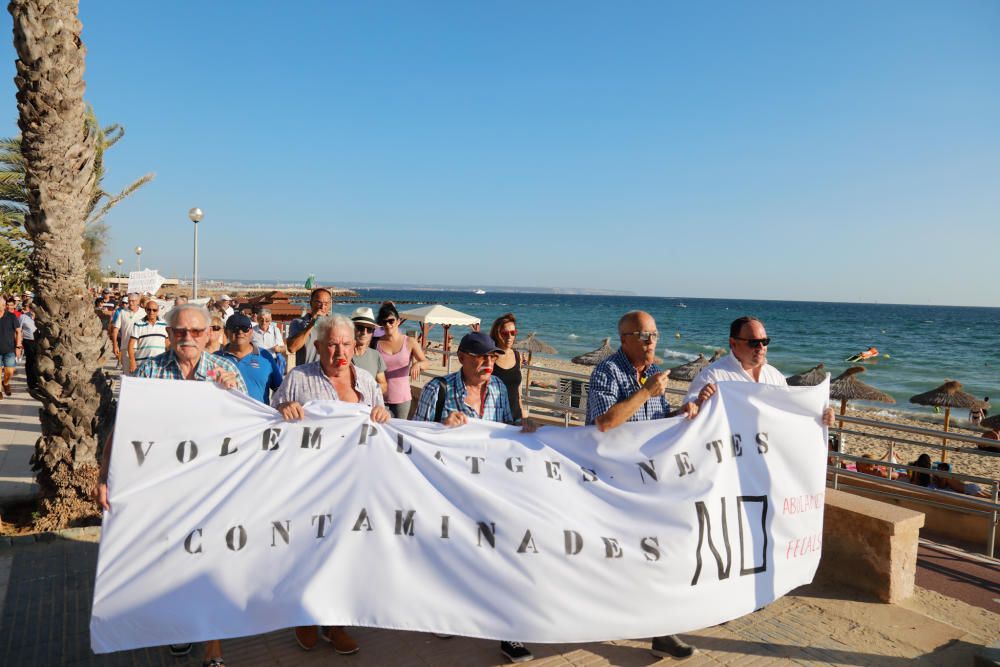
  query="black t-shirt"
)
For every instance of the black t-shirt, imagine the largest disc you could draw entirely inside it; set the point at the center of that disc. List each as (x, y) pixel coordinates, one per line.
(8, 325)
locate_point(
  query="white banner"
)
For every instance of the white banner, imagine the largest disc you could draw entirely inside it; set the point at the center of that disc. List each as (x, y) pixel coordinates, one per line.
(226, 521)
(140, 282)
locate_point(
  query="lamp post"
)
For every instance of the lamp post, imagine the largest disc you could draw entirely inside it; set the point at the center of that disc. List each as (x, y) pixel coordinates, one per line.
(138, 257)
(196, 215)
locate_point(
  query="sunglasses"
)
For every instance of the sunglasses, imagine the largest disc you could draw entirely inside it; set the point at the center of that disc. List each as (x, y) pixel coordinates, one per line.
(509, 332)
(390, 320)
(152, 310)
(755, 342)
(644, 336)
(182, 333)
(215, 327)
(364, 330)
(239, 329)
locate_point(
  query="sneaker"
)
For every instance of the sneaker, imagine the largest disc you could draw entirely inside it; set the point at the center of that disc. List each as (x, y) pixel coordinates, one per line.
(342, 642)
(307, 636)
(516, 652)
(179, 650)
(671, 646)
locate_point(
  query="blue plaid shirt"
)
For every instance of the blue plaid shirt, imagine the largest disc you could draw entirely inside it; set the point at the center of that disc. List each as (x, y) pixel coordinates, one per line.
(496, 409)
(613, 381)
(165, 367)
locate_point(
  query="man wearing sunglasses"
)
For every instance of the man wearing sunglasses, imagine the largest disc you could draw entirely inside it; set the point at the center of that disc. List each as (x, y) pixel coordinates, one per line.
(629, 387)
(747, 362)
(147, 338)
(258, 367)
(365, 356)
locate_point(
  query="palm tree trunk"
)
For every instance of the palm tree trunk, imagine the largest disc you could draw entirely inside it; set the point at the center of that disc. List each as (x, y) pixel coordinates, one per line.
(59, 163)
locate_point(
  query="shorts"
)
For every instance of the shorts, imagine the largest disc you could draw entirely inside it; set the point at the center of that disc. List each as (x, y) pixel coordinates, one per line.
(8, 359)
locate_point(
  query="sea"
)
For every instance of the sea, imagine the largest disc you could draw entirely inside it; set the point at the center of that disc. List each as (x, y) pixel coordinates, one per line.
(920, 347)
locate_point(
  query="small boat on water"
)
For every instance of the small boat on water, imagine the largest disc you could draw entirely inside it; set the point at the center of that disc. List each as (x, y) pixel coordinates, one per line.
(870, 353)
(682, 305)
(479, 291)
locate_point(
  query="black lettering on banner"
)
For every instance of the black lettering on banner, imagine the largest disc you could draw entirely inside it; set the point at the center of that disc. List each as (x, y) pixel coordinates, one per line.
(280, 529)
(611, 548)
(140, 454)
(187, 451)
(552, 470)
(475, 460)
(651, 548)
(737, 441)
(404, 524)
(715, 446)
(588, 474)
(269, 439)
(236, 538)
(574, 542)
(489, 531)
(527, 542)
(514, 464)
(740, 502)
(444, 526)
(366, 430)
(312, 438)
(647, 468)
(188, 540)
(683, 464)
(705, 526)
(762, 445)
(363, 521)
(321, 521)
(225, 447)
(401, 446)
(440, 457)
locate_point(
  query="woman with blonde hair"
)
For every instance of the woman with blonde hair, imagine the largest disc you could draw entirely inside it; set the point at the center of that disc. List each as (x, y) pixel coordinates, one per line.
(216, 335)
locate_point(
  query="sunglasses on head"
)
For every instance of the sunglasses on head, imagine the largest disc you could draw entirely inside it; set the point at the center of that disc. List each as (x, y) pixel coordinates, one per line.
(755, 342)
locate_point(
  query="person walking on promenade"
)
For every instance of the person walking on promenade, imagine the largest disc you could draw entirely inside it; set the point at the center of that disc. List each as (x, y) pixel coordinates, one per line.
(365, 356)
(746, 362)
(10, 344)
(121, 327)
(332, 377)
(508, 365)
(301, 338)
(28, 328)
(257, 366)
(404, 361)
(629, 387)
(148, 337)
(187, 328)
(473, 392)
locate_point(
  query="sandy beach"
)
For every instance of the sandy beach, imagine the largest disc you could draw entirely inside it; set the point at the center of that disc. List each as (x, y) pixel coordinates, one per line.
(966, 462)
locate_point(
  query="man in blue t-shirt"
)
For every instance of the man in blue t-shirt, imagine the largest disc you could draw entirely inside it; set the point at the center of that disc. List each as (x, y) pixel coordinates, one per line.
(257, 366)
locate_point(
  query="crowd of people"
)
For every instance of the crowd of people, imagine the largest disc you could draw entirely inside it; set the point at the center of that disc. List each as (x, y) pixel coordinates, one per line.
(17, 339)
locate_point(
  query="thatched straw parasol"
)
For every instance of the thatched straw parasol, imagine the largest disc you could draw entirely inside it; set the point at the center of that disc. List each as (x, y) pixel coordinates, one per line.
(689, 369)
(947, 396)
(597, 356)
(848, 388)
(809, 378)
(532, 345)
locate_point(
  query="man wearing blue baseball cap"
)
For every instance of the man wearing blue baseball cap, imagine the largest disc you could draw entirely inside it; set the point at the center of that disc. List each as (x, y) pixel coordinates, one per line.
(257, 366)
(472, 392)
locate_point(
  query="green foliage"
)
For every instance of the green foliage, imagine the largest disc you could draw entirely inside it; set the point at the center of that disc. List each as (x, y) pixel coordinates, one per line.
(15, 247)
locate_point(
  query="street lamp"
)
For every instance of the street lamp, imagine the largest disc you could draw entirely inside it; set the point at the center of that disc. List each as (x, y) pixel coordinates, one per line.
(196, 215)
(138, 257)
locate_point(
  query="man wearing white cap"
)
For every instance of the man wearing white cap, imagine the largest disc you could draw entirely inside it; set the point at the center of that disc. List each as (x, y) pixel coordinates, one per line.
(365, 356)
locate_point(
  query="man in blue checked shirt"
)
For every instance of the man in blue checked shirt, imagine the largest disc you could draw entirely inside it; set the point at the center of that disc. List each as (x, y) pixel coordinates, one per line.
(629, 387)
(473, 393)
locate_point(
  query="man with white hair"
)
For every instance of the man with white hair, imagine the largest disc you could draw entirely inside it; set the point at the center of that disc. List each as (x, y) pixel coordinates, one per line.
(187, 328)
(121, 327)
(266, 334)
(333, 378)
(226, 302)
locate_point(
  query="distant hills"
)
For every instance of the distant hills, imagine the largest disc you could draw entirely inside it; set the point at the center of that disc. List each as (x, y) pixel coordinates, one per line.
(429, 287)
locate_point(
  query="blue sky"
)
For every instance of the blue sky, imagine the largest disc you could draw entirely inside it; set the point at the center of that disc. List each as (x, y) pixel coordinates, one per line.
(844, 151)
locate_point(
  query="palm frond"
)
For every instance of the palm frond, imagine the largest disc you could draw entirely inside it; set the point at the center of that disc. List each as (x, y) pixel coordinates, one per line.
(114, 201)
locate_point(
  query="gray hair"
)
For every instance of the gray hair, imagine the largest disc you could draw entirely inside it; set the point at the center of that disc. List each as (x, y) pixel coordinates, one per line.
(264, 311)
(174, 313)
(328, 323)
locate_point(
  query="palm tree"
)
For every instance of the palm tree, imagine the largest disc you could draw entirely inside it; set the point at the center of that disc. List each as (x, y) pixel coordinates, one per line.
(59, 150)
(13, 202)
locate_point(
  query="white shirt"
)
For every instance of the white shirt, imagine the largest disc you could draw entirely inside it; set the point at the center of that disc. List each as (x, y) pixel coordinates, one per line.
(126, 318)
(729, 369)
(269, 339)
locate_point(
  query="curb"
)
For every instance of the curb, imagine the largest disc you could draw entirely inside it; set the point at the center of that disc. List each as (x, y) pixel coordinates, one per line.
(79, 534)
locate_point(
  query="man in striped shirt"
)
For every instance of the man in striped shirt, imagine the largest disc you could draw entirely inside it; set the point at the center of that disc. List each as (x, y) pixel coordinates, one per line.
(147, 338)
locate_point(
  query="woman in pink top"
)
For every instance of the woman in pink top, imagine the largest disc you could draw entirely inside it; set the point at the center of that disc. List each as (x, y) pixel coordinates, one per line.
(404, 361)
